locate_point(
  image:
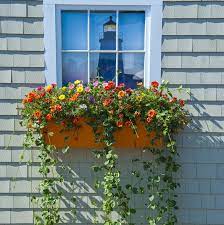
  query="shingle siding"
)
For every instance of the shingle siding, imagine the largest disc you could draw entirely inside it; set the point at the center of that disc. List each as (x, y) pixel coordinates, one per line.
(192, 49)
(192, 55)
(21, 69)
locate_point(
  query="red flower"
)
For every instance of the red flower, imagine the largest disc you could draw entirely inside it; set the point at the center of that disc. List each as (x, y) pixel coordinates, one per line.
(107, 102)
(119, 124)
(43, 94)
(155, 84)
(151, 113)
(48, 117)
(107, 88)
(58, 107)
(149, 120)
(128, 123)
(110, 85)
(182, 102)
(129, 91)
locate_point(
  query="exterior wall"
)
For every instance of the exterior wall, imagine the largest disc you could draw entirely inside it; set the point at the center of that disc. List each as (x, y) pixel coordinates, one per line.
(193, 48)
(21, 69)
(193, 56)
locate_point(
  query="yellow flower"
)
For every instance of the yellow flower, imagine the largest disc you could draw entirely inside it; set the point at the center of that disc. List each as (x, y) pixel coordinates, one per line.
(143, 94)
(64, 88)
(77, 82)
(79, 89)
(61, 97)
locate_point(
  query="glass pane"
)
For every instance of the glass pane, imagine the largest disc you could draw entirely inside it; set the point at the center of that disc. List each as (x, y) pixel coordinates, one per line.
(103, 65)
(74, 30)
(132, 30)
(131, 68)
(74, 67)
(103, 30)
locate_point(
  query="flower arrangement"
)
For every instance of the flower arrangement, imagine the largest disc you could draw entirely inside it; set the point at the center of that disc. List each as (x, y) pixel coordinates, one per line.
(110, 107)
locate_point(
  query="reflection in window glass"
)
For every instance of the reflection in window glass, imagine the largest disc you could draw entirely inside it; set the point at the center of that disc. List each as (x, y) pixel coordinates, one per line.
(103, 30)
(74, 30)
(131, 69)
(74, 67)
(103, 65)
(132, 30)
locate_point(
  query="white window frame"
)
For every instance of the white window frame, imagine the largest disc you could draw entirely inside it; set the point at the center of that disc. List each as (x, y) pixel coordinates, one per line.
(52, 32)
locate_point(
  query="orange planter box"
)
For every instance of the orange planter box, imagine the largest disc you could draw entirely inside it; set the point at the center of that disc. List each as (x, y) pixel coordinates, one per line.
(83, 137)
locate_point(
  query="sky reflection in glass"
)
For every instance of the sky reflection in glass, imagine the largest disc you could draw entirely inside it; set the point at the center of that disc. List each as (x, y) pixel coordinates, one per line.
(74, 30)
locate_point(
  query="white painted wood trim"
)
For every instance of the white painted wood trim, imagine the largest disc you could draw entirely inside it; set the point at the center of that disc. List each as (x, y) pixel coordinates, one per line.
(153, 34)
(103, 2)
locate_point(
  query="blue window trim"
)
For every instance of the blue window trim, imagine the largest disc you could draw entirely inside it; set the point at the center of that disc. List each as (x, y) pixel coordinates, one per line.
(52, 32)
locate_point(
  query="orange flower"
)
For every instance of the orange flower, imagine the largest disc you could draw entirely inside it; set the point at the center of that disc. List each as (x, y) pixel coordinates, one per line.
(107, 102)
(119, 124)
(32, 95)
(155, 84)
(26, 100)
(137, 114)
(48, 88)
(56, 108)
(151, 113)
(74, 97)
(121, 94)
(149, 120)
(37, 114)
(181, 102)
(174, 99)
(48, 117)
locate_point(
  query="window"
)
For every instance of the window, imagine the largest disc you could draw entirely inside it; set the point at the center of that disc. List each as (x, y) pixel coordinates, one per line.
(120, 42)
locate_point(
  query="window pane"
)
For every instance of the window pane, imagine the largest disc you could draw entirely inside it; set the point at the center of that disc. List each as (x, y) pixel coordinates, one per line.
(103, 30)
(74, 30)
(103, 65)
(74, 67)
(132, 30)
(131, 68)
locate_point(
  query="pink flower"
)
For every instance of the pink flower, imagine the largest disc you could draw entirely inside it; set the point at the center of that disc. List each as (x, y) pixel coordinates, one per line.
(39, 88)
(71, 86)
(105, 84)
(87, 89)
(96, 83)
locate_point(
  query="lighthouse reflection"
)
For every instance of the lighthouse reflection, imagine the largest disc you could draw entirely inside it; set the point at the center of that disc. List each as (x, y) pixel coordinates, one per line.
(130, 65)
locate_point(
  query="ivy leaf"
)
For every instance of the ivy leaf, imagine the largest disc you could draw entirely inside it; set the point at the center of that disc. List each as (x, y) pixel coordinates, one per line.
(65, 150)
(151, 198)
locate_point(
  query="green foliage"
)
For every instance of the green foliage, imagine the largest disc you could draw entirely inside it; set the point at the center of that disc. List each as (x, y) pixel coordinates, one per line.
(107, 109)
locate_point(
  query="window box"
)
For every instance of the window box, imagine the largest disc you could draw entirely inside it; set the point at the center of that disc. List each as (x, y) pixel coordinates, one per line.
(83, 137)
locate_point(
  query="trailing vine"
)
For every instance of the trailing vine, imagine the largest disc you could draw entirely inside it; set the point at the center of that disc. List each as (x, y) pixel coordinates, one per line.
(107, 109)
